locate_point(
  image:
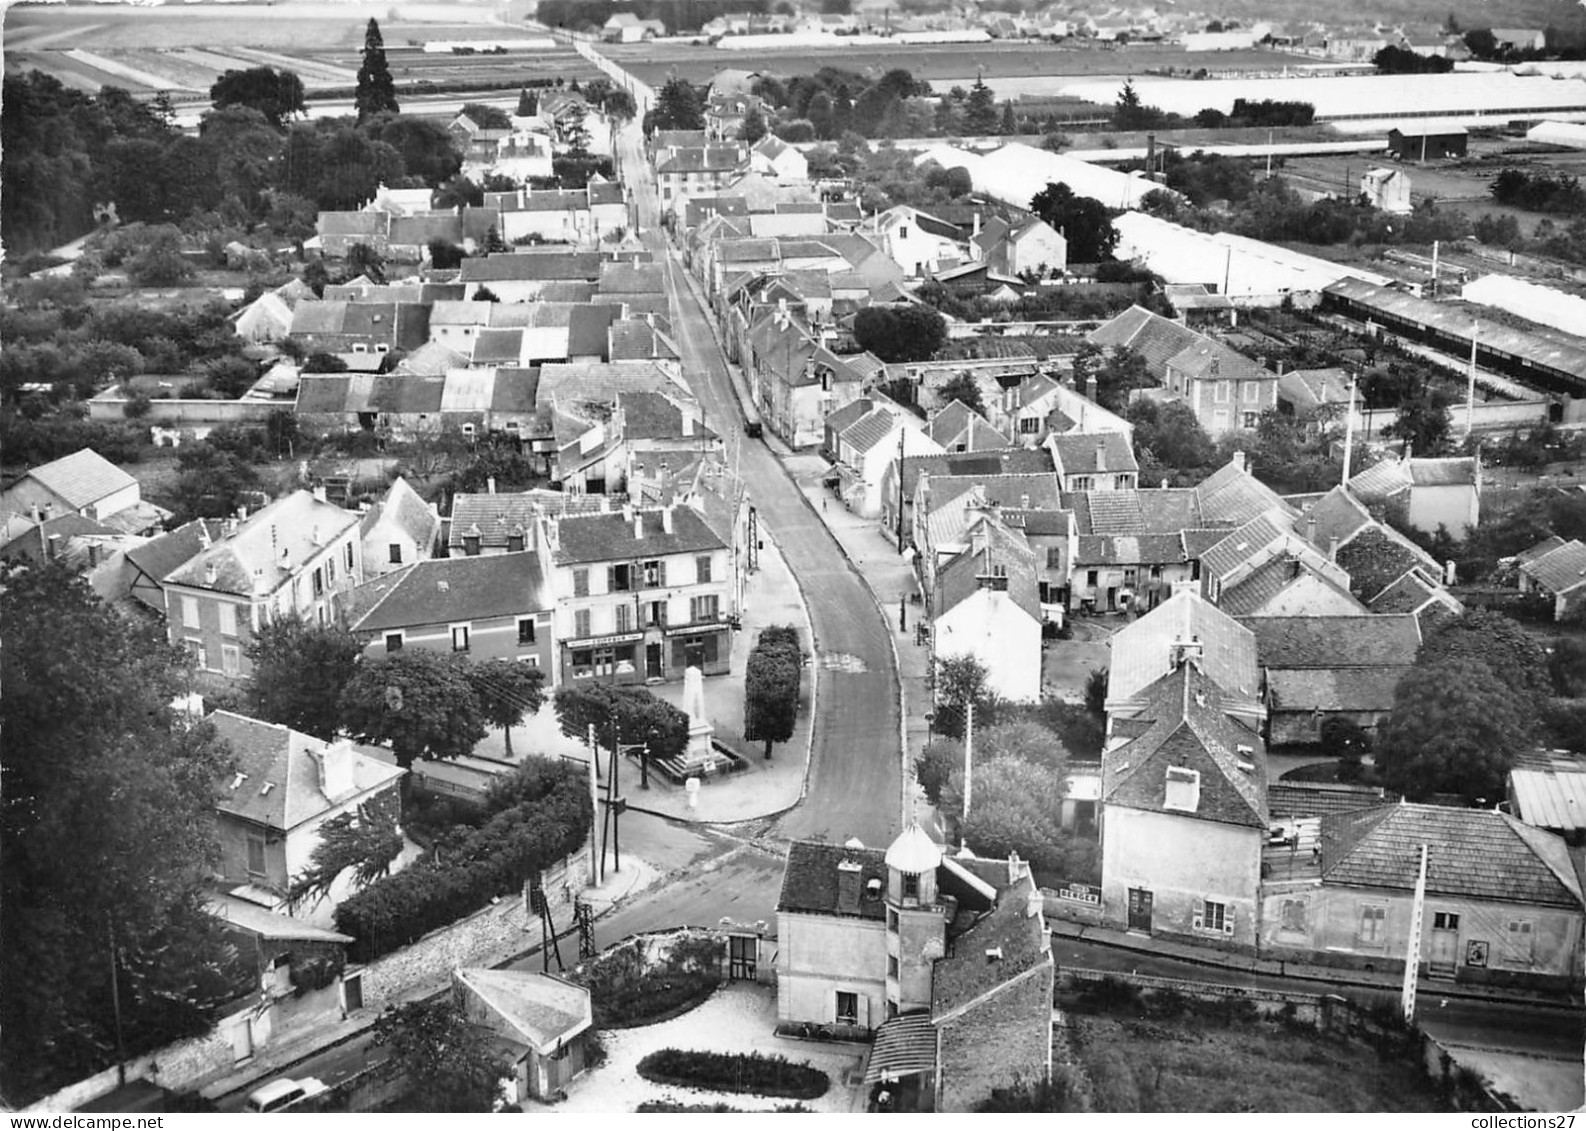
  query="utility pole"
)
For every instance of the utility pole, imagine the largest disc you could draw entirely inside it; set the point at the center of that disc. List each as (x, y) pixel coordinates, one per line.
(900, 490)
(594, 802)
(1412, 954)
(115, 1001)
(969, 747)
(1349, 429)
(1470, 391)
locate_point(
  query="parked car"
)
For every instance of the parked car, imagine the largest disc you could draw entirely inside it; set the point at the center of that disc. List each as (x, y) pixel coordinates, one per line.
(282, 1093)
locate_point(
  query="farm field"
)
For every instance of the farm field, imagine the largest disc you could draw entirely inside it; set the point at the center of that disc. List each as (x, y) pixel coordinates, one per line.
(940, 63)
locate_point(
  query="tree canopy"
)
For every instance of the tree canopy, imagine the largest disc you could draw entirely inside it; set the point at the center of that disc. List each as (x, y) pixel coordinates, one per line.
(1086, 223)
(771, 686)
(637, 714)
(298, 673)
(107, 832)
(1514, 657)
(449, 1063)
(1455, 728)
(508, 692)
(278, 95)
(900, 333)
(422, 703)
(964, 389)
(678, 106)
(376, 91)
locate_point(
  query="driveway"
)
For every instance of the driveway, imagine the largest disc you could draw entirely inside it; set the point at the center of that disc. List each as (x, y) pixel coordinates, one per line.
(739, 1017)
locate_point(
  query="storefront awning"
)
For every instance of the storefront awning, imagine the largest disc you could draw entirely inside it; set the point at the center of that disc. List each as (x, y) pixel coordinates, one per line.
(904, 1045)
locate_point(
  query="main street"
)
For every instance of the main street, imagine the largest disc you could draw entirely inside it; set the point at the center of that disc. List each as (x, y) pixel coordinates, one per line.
(855, 773)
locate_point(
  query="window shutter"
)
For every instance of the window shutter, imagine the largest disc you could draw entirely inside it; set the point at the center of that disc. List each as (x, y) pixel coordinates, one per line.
(611, 579)
(1199, 921)
(660, 573)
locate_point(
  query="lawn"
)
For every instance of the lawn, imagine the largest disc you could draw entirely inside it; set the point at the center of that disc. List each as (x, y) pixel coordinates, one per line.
(1196, 1063)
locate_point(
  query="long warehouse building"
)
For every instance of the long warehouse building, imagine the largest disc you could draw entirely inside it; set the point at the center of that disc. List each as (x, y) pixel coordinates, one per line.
(1542, 359)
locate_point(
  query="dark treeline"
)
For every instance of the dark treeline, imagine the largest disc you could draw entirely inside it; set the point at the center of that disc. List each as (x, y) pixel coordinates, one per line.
(677, 15)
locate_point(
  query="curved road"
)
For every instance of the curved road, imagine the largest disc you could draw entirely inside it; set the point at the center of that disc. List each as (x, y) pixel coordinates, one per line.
(855, 776)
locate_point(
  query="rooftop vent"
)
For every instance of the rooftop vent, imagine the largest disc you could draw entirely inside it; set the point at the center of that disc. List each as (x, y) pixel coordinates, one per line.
(444, 586)
(993, 954)
(266, 788)
(236, 782)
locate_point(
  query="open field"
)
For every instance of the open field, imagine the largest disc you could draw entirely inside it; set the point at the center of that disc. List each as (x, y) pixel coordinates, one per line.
(1199, 1064)
(938, 63)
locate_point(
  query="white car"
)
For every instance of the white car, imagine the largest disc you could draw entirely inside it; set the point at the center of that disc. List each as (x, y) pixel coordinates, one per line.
(283, 1093)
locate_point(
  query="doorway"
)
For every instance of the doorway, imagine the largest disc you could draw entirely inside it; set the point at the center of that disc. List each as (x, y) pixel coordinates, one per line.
(652, 661)
(742, 955)
(1445, 944)
(351, 993)
(1140, 910)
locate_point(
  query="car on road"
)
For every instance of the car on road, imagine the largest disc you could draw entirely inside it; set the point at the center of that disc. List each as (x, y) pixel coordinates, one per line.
(282, 1093)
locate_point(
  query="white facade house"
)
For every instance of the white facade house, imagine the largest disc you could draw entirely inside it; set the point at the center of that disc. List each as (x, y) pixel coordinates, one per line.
(869, 445)
(1387, 189)
(918, 242)
(986, 604)
(776, 158)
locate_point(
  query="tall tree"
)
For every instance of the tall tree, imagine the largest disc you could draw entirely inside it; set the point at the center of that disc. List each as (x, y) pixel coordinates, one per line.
(508, 692)
(368, 842)
(1455, 728)
(1084, 221)
(771, 686)
(1512, 654)
(960, 681)
(422, 703)
(298, 674)
(376, 93)
(980, 110)
(107, 832)
(449, 1063)
(628, 715)
(753, 128)
(278, 95)
(900, 333)
(677, 107)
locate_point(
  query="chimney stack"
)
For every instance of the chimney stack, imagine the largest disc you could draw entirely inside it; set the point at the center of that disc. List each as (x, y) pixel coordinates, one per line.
(319, 493)
(1101, 455)
(38, 518)
(1310, 528)
(54, 546)
(638, 526)
(848, 887)
(210, 573)
(1090, 388)
(335, 770)
(666, 518)
(1239, 461)
(688, 424)
(490, 485)
(1332, 549)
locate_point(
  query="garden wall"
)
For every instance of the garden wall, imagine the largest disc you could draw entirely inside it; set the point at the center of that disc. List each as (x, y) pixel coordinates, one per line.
(1321, 1010)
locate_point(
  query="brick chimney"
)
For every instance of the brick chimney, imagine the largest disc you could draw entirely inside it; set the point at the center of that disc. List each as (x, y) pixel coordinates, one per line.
(638, 526)
(666, 519)
(1090, 388)
(848, 887)
(335, 770)
(1310, 528)
(1239, 461)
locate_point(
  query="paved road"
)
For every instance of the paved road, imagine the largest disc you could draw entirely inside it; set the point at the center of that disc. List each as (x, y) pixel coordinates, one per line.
(855, 774)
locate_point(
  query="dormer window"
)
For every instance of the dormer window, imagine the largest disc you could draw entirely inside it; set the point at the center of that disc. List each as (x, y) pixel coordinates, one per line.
(1183, 790)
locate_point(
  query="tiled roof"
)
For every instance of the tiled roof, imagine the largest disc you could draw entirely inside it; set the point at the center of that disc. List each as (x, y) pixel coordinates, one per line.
(353, 223)
(542, 1009)
(1153, 337)
(1141, 652)
(610, 537)
(447, 590)
(515, 390)
(403, 507)
(635, 339)
(82, 478)
(1231, 494)
(1474, 854)
(1381, 480)
(1253, 591)
(1380, 552)
(1039, 523)
(869, 430)
(1210, 360)
(406, 395)
(1197, 540)
(249, 563)
(1007, 461)
(999, 547)
(432, 359)
(531, 266)
(588, 330)
(601, 380)
(498, 515)
(655, 416)
(409, 231)
(1306, 690)
(1337, 514)
(851, 412)
(1112, 512)
(632, 278)
(1299, 800)
(159, 557)
(1129, 549)
(1243, 546)
(1077, 454)
(1190, 730)
(809, 882)
(960, 424)
(1547, 545)
(1559, 570)
(498, 347)
(1314, 387)
(276, 782)
(1020, 940)
(1034, 490)
(702, 159)
(1365, 641)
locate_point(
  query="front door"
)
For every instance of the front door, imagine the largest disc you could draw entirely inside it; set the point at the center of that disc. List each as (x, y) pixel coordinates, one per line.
(652, 661)
(742, 951)
(352, 993)
(1139, 910)
(1445, 943)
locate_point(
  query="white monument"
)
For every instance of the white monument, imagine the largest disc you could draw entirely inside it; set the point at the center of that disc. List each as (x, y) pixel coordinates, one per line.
(700, 730)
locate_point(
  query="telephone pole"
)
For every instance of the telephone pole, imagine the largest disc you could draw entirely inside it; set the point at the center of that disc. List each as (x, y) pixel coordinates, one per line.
(1412, 954)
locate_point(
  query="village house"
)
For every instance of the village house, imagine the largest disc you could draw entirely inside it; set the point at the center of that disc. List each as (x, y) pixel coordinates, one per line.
(1132, 549)
(1236, 568)
(701, 171)
(1101, 461)
(1372, 553)
(867, 444)
(1317, 668)
(1004, 461)
(270, 811)
(726, 113)
(1386, 189)
(84, 483)
(775, 157)
(945, 507)
(1432, 493)
(485, 523)
(1558, 572)
(640, 594)
(299, 556)
(398, 530)
(918, 242)
(986, 605)
(1185, 627)
(495, 607)
(1050, 534)
(1503, 900)
(796, 382)
(1183, 811)
(341, 327)
(959, 428)
(944, 958)
(1030, 246)
(543, 1021)
(641, 424)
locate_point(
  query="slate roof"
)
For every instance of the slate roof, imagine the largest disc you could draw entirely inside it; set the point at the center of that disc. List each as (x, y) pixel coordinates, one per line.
(1474, 854)
(515, 390)
(655, 416)
(1314, 387)
(809, 881)
(279, 786)
(1307, 690)
(632, 278)
(498, 347)
(1210, 360)
(1032, 491)
(248, 563)
(1141, 651)
(498, 515)
(1365, 641)
(1190, 730)
(1337, 514)
(1076, 454)
(869, 430)
(432, 359)
(1267, 580)
(1381, 480)
(850, 413)
(701, 159)
(447, 590)
(531, 266)
(1407, 595)
(601, 380)
(396, 394)
(407, 231)
(1039, 523)
(1001, 547)
(1300, 800)
(159, 557)
(1006, 461)
(958, 423)
(1128, 549)
(589, 329)
(542, 1009)
(1197, 540)
(698, 209)
(1242, 546)
(610, 537)
(1561, 569)
(966, 976)
(635, 339)
(82, 478)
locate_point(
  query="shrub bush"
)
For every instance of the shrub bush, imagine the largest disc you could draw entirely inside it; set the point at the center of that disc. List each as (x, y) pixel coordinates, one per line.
(749, 1073)
(537, 816)
(627, 991)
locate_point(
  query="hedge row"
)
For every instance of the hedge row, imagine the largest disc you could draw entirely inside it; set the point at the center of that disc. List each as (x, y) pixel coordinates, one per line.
(536, 817)
(749, 1073)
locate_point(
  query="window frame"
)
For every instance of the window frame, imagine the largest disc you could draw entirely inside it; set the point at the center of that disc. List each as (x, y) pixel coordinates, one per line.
(849, 1016)
(702, 569)
(1375, 914)
(192, 616)
(400, 642)
(228, 613)
(581, 625)
(394, 550)
(581, 582)
(231, 659)
(1511, 954)
(256, 844)
(466, 628)
(529, 639)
